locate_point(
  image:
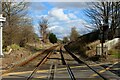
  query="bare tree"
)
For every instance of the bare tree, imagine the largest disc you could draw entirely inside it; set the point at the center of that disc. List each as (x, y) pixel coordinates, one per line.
(26, 35)
(106, 13)
(15, 13)
(43, 25)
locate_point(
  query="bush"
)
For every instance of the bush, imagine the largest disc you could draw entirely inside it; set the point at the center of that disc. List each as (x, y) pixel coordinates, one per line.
(115, 53)
(6, 48)
(15, 47)
(52, 38)
(78, 47)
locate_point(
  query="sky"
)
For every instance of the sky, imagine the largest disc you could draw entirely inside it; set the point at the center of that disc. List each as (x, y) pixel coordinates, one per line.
(62, 16)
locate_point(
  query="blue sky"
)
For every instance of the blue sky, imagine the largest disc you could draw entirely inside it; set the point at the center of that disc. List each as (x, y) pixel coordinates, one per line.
(62, 16)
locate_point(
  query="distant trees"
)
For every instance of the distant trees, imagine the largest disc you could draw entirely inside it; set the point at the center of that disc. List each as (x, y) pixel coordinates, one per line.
(65, 39)
(106, 13)
(52, 38)
(72, 37)
(74, 34)
(43, 25)
(18, 28)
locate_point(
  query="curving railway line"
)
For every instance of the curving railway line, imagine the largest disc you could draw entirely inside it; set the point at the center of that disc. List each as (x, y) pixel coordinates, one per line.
(58, 63)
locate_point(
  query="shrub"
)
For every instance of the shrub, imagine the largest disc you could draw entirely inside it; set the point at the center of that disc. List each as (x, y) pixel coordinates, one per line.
(78, 47)
(52, 38)
(114, 53)
(15, 47)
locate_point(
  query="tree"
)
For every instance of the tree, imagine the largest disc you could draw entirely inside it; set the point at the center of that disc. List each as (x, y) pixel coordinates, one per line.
(43, 24)
(74, 34)
(26, 35)
(18, 27)
(65, 40)
(14, 13)
(106, 13)
(106, 17)
(52, 38)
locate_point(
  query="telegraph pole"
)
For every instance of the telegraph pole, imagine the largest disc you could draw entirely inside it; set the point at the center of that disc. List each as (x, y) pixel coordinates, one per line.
(102, 43)
(103, 30)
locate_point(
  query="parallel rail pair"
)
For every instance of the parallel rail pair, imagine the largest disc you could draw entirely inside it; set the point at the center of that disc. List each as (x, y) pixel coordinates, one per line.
(44, 59)
(48, 53)
(83, 62)
(71, 74)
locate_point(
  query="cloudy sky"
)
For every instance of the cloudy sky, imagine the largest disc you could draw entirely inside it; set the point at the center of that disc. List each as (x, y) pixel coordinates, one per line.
(62, 16)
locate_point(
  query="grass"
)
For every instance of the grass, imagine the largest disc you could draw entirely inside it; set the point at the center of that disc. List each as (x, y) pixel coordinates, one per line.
(15, 47)
(115, 53)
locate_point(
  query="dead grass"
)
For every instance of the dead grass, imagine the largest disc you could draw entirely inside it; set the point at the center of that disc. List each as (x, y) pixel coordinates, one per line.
(20, 54)
(92, 48)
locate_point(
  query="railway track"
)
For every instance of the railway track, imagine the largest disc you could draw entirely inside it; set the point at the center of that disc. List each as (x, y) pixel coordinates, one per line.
(61, 62)
(39, 64)
(44, 59)
(52, 72)
(84, 62)
(51, 75)
(81, 61)
(26, 61)
(68, 67)
(72, 77)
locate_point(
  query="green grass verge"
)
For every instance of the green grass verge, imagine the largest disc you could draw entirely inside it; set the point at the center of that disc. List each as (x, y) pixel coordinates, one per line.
(115, 53)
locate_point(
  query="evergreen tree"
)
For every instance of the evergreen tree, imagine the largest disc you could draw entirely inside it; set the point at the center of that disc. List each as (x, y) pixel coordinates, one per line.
(52, 38)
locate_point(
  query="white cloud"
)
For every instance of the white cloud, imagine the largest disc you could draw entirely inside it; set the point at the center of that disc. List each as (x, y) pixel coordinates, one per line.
(61, 23)
(72, 16)
(58, 14)
(38, 17)
(60, 30)
(53, 27)
(64, 29)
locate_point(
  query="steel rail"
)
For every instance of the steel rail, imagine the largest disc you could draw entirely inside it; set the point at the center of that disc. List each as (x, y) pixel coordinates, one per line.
(81, 61)
(62, 57)
(52, 70)
(68, 67)
(25, 62)
(41, 62)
